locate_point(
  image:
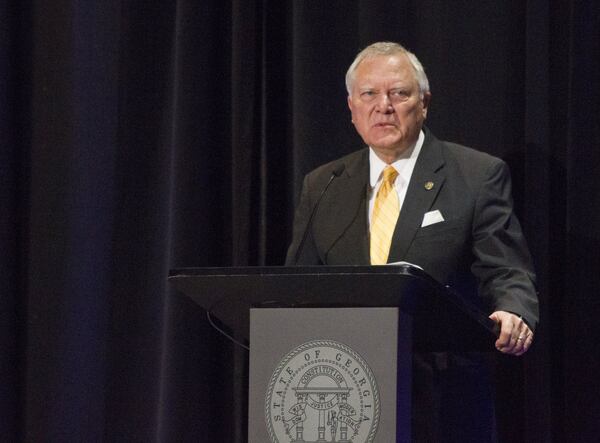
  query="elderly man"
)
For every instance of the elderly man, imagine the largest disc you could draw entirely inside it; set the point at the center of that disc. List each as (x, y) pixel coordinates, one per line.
(411, 197)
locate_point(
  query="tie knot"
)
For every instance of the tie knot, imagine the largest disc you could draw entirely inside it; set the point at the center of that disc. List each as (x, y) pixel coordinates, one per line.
(389, 174)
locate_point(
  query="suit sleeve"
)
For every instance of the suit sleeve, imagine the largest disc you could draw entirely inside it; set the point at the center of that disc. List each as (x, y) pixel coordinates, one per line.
(502, 263)
(308, 253)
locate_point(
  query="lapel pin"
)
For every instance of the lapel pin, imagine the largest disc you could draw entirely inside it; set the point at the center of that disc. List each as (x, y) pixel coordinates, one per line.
(429, 186)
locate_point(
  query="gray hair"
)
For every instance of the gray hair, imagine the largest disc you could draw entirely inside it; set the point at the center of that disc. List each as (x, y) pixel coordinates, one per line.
(388, 48)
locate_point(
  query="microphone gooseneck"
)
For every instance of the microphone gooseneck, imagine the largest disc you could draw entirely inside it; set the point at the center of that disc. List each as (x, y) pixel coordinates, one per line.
(336, 172)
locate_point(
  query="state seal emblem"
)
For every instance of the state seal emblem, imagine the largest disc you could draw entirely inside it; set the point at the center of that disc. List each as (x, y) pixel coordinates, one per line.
(322, 391)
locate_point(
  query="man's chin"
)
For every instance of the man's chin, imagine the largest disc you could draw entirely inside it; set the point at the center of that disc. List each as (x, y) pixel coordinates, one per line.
(389, 153)
(389, 144)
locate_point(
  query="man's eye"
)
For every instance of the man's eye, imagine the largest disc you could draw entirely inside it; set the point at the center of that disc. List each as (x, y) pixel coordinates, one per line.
(367, 93)
(399, 95)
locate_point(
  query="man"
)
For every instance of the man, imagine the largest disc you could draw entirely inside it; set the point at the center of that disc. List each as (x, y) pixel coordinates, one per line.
(411, 197)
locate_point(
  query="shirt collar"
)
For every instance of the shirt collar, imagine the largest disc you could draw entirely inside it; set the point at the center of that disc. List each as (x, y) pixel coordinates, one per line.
(404, 165)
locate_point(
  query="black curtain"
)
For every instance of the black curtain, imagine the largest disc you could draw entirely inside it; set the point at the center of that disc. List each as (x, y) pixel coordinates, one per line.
(136, 137)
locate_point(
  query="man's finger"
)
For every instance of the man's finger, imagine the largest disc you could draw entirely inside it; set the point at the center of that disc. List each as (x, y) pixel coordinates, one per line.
(526, 344)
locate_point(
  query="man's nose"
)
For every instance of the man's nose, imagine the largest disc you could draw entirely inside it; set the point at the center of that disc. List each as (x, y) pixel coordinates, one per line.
(384, 104)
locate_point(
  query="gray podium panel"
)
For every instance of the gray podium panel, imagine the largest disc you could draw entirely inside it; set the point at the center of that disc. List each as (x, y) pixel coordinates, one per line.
(329, 375)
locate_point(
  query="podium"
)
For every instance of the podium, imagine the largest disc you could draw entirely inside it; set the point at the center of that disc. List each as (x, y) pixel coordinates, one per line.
(331, 346)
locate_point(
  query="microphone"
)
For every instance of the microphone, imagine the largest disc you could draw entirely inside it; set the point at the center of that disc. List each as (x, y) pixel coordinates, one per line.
(337, 171)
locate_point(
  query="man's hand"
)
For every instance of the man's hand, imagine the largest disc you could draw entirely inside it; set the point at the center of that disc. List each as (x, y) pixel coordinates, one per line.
(515, 336)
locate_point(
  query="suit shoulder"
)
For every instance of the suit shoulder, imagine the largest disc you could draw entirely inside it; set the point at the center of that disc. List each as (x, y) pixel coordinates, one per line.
(469, 156)
(350, 162)
(474, 165)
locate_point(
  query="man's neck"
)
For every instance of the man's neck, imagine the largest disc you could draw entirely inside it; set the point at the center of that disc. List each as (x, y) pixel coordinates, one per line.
(391, 155)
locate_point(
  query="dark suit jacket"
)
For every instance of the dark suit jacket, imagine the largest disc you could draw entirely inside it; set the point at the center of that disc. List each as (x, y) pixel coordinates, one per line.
(478, 249)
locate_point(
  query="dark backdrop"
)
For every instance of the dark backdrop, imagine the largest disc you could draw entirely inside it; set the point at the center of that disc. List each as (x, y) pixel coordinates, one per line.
(142, 136)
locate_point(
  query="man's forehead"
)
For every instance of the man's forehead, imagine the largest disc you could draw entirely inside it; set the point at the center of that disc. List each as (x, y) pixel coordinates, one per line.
(382, 62)
(395, 66)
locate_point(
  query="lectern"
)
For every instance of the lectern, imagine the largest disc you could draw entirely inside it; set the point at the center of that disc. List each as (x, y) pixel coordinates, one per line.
(330, 346)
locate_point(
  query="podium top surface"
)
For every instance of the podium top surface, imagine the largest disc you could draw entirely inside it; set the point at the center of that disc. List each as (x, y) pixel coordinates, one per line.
(399, 269)
(439, 314)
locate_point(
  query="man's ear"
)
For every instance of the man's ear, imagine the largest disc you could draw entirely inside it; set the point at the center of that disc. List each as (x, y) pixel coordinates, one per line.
(351, 109)
(426, 101)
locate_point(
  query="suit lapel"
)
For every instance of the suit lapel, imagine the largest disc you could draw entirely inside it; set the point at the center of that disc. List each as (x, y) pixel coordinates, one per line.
(425, 183)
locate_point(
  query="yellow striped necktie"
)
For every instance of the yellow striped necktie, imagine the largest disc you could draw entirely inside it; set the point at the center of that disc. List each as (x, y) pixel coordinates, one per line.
(385, 215)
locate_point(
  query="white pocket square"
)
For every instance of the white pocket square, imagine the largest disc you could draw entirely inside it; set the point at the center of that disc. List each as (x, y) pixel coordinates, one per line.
(431, 218)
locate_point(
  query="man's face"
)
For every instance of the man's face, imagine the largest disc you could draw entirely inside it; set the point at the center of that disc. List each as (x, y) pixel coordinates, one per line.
(385, 104)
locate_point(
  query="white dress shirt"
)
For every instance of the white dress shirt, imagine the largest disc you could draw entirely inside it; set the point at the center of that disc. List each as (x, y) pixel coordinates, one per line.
(404, 165)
